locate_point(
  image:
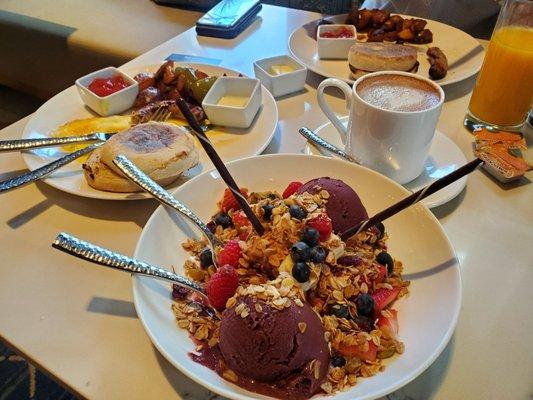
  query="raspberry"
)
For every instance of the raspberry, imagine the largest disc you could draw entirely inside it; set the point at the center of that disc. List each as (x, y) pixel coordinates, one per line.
(243, 224)
(221, 286)
(229, 202)
(240, 220)
(230, 254)
(291, 189)
(322, 224)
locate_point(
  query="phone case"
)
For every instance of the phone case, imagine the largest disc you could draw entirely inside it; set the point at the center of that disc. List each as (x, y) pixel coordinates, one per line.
(225, 31)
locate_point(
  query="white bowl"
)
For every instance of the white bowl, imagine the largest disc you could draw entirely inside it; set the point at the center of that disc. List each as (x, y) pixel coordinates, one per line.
(280, 85)
(334, 48)
(116, 102)
(233, 116)
(427, 317)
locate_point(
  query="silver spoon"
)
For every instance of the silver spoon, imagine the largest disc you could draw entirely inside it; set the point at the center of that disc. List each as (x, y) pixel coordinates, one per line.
(133, 173)
(314, 138)
(99, 255)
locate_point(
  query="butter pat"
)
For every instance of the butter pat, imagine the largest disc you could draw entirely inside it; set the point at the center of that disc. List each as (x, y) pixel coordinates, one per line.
(233, 101)
(280, 69)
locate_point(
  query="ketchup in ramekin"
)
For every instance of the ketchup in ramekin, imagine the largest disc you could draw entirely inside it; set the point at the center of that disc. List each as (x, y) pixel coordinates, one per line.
(105, 86)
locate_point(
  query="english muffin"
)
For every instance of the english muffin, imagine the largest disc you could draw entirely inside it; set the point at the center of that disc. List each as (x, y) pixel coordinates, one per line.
(368, 57)
(162, 151)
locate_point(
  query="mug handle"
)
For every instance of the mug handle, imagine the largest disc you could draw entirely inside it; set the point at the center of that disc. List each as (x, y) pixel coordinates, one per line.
(347, 90)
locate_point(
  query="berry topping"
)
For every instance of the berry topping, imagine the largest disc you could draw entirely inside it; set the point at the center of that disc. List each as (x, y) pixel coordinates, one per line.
(365, 304)
(240, 220)
(230, 254)
(267, 211)
(300, 252)
(322, 224)
(206, 258)
(221, 286)
(338, 361)
(180, 292)
(297, 212)
(340, 311)
(383, 297)
(389, 324)
(318, 254)
(301, 272)
(223, 219)
(358, 350)
(385, 259)
(291, 189)
(352, 261)
(310, 236)
(229, 202)
(365, 323)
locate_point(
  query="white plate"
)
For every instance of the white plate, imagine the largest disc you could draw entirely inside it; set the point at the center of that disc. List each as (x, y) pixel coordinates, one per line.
(66, 106)
(427, 317)
(464, 53)
(444, 157)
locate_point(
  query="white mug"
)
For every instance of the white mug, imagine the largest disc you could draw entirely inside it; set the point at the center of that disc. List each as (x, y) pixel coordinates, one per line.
(394, 143)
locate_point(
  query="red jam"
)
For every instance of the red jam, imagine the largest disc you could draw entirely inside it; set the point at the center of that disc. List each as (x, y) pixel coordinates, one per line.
(105, 86)
(338, 34)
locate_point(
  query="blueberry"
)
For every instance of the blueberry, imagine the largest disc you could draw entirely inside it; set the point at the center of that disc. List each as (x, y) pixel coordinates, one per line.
(301, 272)
(206, 258)
(365, 304)
(365, 323)
(385, 259)
(300, 252)
(381, 228)
(340, 311)
(267, 211)
(223, 219)
(297, 212)
(310, 236)
(338, 361)
(318, 254)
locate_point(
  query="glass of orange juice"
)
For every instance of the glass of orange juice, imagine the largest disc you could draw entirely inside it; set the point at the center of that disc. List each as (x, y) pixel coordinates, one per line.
(503, 94)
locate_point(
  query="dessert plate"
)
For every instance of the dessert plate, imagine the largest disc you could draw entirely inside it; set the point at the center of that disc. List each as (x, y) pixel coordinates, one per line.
(444, 157)
(230, 143)
(427, 317)
(464, 53)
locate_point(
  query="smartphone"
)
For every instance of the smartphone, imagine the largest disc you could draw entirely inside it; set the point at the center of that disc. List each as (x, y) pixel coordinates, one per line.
(228, 18)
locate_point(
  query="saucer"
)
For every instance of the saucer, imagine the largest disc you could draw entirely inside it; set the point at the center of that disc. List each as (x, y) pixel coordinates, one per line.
(444, 157)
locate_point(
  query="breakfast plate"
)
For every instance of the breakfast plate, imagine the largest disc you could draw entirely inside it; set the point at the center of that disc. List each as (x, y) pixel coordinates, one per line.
(426, 320)
(444, 157)
(464, 53)
(66, 106)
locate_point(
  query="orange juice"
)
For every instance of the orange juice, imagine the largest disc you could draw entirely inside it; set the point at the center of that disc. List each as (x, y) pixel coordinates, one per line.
(504, 89)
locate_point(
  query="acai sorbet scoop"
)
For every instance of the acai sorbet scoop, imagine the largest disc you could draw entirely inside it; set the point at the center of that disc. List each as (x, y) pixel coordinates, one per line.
(279, 346)
(343, 207)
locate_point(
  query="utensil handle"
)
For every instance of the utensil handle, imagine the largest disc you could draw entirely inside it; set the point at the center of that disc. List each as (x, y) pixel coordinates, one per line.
(219, 165)
(413, 199)
(326, 109)
(47, 169)
(314, 138)
(99, 255)
(147, 184)
(26, 144)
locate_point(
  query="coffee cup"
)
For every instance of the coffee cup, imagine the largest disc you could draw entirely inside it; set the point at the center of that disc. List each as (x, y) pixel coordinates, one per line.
(392, 120)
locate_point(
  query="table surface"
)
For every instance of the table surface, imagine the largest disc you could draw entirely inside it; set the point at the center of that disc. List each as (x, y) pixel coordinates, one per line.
(78, 322)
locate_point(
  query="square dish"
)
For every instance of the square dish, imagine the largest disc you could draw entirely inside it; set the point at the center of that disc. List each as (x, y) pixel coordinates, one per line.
(233, 101)
(335, 47)
(282, 83)
(114, 103)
